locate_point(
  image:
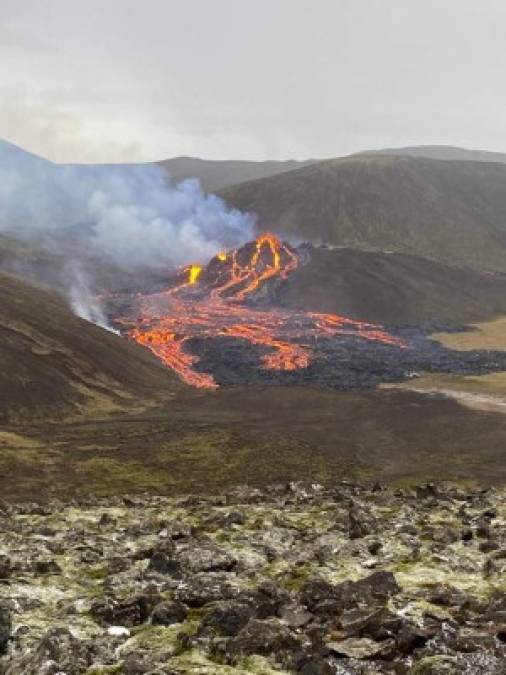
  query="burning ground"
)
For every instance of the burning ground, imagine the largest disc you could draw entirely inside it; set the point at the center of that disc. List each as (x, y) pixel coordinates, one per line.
(223, 324)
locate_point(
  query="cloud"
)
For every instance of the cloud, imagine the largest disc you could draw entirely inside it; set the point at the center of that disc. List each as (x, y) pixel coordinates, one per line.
(40, 122)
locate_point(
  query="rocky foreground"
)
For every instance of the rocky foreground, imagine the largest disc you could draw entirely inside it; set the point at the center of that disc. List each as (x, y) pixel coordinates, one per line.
(288, 579)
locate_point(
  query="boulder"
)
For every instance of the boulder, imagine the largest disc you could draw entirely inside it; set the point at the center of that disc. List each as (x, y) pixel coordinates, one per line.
(168, 613)
(268, 637)
(226, 618)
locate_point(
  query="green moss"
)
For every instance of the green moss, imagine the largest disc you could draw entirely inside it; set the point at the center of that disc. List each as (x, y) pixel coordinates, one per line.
(97, 572)
(430, 665)
(104, 670)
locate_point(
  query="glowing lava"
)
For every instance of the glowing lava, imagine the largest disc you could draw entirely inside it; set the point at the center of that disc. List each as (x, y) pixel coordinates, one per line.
(214, 307)
(194, 272)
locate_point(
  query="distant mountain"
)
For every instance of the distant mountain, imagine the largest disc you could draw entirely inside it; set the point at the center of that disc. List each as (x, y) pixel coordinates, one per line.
(11, 153)
(55, 365)
(445, 152)
(392, 288)
(451, 211)
(218, 174)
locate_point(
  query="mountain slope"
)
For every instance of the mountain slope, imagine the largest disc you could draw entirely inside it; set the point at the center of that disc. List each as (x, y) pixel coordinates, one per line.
(218, 174)
(446, 152)
(391, 288)
(55, 364)
(452, 211)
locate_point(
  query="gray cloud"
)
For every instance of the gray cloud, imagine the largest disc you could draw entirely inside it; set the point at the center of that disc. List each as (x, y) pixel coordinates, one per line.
(259, 79)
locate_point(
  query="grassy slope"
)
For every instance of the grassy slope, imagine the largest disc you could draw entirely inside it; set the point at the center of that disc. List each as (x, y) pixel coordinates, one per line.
(392, 288)
(445, 152)
(55, 364)
(452, 211)
(258, 436)
(218, 174)
(478, 392)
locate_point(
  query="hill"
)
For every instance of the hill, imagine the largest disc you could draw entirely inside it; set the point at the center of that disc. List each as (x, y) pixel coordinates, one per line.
(55, 365)
(445, 152)
(392, 288)
(218, 174)
(451, 211)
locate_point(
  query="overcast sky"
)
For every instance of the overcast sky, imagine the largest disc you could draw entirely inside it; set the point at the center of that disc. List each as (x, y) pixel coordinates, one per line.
(127, 80)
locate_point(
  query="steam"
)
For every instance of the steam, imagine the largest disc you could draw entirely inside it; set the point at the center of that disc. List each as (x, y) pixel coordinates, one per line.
(131, 214)
(82, 300)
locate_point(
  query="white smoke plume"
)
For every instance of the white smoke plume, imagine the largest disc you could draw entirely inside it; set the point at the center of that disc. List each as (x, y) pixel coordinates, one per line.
(82, 300)
(132, 214)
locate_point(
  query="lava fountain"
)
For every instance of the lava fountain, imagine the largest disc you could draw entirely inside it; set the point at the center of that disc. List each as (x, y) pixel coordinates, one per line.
(216, 301)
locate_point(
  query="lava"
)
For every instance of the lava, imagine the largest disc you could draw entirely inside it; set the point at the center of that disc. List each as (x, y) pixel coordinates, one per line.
(212, 303)
(194, 272)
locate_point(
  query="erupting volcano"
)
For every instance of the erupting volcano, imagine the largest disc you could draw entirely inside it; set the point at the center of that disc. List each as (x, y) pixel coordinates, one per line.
(230, 298)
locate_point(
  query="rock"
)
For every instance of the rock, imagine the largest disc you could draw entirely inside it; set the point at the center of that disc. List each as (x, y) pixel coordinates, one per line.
(5, 626)
(136, 664)
(295, 616)
(224, 520)
(167, 613)
(361, 523)
(57, 652)
(43, 567)
(176, 530)
(163, 560)
(361, 648)
(489, 545)
(361, 620)
(206, 557)
(227, 618)
(437, 665)
(318, 666)
(130, 612)
(202, 588)
(268, 637)
(315, 591)
(447, 596)
(483, 529)
(5, 567)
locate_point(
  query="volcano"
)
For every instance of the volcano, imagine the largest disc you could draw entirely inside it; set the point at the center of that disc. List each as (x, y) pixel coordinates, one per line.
(230, 298)
(222, 324)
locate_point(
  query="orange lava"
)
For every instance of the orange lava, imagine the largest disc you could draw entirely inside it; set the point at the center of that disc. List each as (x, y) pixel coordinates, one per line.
(210, 304)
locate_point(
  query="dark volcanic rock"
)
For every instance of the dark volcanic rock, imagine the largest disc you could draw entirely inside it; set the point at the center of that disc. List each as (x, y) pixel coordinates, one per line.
(262, 637)
(57, 652)
(183, 585)
(167, 613)
(227, 618)
(5, 626)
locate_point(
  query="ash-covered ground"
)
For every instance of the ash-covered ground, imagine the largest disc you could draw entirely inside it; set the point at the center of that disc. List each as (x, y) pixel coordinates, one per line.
(343, 363)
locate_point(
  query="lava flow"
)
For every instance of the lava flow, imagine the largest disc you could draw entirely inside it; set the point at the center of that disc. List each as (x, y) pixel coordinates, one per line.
(211, 302)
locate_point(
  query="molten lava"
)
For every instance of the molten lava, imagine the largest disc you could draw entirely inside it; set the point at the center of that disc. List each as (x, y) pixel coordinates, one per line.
(211, 304)
(194, 272)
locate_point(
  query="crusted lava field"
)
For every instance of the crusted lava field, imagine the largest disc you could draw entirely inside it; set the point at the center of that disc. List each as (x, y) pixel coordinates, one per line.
(293, 578)
(220, 325)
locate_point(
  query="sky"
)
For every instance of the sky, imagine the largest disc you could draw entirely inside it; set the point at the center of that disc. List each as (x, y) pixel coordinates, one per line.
(127, 81)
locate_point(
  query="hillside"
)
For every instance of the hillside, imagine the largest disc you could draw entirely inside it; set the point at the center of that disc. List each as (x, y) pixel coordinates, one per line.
(452, 211)
(218, 174)
(392, 288)
(55, 364)
(446, 152)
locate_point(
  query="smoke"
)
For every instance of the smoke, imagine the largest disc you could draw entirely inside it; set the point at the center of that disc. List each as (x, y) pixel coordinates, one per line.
(133, 215)
(82, 300)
